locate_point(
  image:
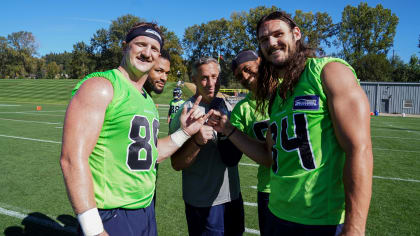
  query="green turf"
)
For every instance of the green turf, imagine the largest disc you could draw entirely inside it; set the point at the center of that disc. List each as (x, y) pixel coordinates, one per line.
(31, 181)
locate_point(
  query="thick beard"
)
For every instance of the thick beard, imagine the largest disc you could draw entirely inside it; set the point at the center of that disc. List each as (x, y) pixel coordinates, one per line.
(284, 64)
(148, 86)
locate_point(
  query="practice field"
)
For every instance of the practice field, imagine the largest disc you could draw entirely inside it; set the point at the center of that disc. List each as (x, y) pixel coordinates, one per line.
(33, 199)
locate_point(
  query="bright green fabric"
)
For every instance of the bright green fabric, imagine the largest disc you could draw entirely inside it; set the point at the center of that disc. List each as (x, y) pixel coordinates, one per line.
(301, 192)
(174, 106)
(123, 160)
(245, 117)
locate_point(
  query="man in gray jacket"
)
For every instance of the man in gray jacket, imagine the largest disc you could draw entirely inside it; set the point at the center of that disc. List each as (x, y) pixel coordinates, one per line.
(210, 180)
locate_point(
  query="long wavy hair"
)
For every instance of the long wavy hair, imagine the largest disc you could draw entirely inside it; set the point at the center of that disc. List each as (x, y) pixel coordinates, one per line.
(268, 75)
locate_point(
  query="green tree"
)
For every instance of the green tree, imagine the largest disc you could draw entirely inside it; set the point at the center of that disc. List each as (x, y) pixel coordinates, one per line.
(373, 67)
(63, 60)
(174, 47)
(23, 41)
(81, 62)
(52, 70)
(366, 30)
(318, 29)
(106, 44)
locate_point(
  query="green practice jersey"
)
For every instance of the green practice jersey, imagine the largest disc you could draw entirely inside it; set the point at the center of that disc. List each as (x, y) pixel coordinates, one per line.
(174, 106)
(306, 177)
(124, 157)
(245, 117)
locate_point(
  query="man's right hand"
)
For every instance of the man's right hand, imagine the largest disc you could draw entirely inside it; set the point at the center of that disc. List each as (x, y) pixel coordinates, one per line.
(204, 135)
(193, 120)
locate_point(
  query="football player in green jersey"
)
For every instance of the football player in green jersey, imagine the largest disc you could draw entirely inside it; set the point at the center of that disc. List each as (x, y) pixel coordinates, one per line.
(247, 119)
(175, 103)
(158, 75)
(110, 144)
(319, 136)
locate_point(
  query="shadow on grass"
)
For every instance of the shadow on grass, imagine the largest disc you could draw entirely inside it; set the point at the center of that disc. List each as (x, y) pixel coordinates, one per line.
(38, 224)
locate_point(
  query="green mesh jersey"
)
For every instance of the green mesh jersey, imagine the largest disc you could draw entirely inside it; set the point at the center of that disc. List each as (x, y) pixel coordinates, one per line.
(306, 177)
(245, 117)
(174, 106)
(124, 157)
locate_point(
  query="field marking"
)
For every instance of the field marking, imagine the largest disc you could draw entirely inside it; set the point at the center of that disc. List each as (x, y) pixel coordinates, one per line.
(31, 139)
(32, 121)
(29, 113)
(396, 150)
(48, 223)
(61, 227)
(9, 105)
(402, 130)
(394, 137)
(43, 111)
(399, 179)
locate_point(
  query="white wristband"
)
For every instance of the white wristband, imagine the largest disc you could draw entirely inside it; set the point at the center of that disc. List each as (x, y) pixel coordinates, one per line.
(90, 222)
(180, 137)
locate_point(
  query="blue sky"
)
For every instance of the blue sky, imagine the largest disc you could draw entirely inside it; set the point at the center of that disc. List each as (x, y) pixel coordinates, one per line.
(58, 25)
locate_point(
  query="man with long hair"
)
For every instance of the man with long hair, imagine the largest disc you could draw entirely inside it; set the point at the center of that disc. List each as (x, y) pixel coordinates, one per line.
(247, 119)
(110, 143)
(318, 144)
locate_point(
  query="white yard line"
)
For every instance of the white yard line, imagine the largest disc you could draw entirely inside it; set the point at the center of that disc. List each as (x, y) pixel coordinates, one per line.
(48, 223)
(395, 150)
(45, 111)
(9, 105)
(32, 121)
(398, 179)
(395, 137)
(29, 113)
(31, 139)
(61, 227)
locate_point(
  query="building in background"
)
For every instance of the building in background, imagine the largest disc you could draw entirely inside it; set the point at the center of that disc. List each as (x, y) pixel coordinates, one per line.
(394, 98)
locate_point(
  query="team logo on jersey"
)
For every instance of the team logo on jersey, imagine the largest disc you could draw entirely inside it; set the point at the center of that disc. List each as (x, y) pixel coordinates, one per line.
(308, 102)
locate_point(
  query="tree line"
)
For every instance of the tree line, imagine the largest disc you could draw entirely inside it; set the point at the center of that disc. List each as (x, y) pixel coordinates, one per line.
(363, 37)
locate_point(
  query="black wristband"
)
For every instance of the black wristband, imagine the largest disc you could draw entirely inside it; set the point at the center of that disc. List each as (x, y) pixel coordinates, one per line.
(231, 132)
(198, 145)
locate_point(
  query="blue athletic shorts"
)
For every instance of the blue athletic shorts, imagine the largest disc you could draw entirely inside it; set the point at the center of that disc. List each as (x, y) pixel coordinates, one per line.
(277, 226)
(223, 219)
(127, 222)
(262, 210)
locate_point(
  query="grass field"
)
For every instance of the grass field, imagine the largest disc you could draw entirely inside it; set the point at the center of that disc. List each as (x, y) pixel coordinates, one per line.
(33, 200)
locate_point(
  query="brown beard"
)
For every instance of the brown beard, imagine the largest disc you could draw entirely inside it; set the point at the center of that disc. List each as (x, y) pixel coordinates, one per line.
(268, 76)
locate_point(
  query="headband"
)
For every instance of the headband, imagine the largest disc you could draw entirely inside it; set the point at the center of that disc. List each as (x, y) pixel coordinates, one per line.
(145, 31)
(242, 57)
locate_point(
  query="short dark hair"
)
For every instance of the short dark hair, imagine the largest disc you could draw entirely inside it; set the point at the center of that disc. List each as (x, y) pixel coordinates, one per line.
(165, 54)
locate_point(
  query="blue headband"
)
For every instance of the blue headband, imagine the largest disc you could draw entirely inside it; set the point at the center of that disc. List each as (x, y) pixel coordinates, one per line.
(145, 31)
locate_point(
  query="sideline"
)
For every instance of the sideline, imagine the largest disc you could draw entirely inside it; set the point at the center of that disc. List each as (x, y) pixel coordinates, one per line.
(48, 223)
